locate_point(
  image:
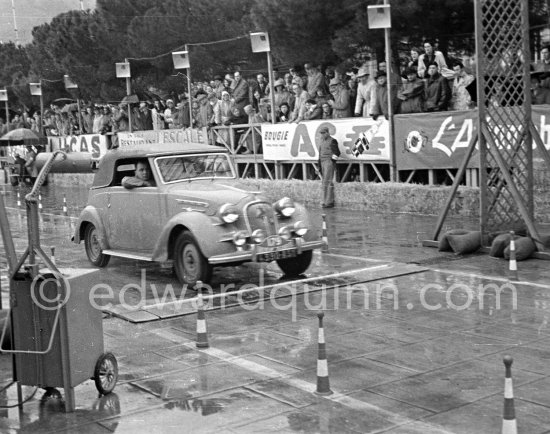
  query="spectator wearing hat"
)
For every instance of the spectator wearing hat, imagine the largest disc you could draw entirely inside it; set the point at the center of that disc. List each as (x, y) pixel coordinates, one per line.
(340, 104)
(205, 112)
(283, 113)
(315, 80)
(438, 92)
(411, 93)
(328, 155)
(239, 89)
(364, 101)
(280, 94)
(380, 106)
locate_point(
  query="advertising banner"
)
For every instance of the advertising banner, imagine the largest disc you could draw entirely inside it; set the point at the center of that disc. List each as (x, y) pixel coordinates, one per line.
(184, 135)
(284, 142)
(434, 140)
(95, 144)
(440, 140)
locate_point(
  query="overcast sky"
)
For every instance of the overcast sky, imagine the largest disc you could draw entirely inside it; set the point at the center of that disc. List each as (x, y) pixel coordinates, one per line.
(31, 13)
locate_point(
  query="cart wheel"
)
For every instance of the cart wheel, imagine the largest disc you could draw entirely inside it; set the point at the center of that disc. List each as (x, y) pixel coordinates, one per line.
(106, 373)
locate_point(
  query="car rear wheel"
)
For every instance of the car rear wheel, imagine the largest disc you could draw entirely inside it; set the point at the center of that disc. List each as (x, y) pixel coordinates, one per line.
(293, 267)
(93, 248)
(189, 262)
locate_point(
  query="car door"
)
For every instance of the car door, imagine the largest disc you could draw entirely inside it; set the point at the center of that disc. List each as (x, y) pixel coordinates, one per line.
(134, 219)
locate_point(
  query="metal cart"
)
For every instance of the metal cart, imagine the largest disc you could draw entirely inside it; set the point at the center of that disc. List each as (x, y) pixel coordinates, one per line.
(56, 333)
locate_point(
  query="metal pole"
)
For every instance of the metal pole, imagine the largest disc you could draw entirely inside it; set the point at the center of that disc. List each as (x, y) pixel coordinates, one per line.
(41, 109)
(271, 90)
(81, 5)
(15, 23)
(80, 119)
(393, 168)
(7, 117)
(189, 88)
(128, 93)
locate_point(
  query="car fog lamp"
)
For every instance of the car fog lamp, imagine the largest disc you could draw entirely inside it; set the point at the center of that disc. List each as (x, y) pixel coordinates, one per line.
(284, 233)
(285, 207)
(259, 236)
(229, 213)
(300, 228)
(239, 239)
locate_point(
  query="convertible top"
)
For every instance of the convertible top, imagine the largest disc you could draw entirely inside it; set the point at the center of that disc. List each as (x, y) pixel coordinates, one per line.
(107, 163)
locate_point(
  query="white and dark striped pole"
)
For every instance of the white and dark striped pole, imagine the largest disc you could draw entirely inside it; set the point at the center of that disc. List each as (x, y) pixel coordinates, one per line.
(323, 386)
(509, 423)
(513, 267)
(202, 334)
(65, 211)
(325, 234)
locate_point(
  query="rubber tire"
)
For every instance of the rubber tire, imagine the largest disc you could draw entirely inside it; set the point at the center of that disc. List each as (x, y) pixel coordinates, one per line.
(186, 244)
(293, 267)
(105, 387)
(98, 259)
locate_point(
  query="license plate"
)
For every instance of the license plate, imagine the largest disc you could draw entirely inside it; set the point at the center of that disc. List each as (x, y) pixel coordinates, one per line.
(275, 248)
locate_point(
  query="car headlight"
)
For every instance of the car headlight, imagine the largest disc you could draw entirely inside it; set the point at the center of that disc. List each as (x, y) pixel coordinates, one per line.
(239, 239)
(229, 213)
(284, 233)
(285, 207)
(259, 236)
(300, 228)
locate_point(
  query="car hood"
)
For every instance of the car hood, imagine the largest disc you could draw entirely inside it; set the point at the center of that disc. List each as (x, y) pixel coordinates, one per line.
(214, 193)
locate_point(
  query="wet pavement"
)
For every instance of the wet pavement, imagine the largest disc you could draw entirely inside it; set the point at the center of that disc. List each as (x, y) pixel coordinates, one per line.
(415, 340)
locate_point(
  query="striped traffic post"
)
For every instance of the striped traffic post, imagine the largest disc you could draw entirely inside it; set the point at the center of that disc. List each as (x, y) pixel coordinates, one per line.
(325, 234)
(513, 267)
(509, 423)
(18, 199)
(65, 211)
(323, 386)
(202, 335)
(39, 202)
(52, 258)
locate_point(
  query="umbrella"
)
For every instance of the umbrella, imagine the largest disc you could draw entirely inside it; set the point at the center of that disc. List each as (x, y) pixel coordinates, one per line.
(62, 101)
(22, 136)
(130, 99)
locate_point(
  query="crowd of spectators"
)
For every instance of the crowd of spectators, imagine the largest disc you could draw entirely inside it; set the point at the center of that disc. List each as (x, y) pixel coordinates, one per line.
(425, 82)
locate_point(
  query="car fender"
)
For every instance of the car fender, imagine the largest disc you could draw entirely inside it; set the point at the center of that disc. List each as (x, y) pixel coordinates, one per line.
(90, 215)
(302, 214)
(205, 230)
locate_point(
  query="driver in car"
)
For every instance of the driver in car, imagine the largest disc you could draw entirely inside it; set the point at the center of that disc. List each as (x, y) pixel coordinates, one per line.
(141, 178)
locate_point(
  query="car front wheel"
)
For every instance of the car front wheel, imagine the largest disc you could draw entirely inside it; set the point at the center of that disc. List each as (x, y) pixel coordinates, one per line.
(189, 262)
(293, 267)
(93, 248)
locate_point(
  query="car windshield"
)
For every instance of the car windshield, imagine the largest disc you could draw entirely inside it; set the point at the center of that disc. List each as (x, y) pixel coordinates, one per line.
(185, 167)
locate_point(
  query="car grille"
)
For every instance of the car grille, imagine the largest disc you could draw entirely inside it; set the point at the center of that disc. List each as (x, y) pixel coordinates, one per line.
(260, 215)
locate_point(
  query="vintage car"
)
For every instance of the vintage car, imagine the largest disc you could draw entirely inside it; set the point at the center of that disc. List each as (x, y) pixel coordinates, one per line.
(195, 216)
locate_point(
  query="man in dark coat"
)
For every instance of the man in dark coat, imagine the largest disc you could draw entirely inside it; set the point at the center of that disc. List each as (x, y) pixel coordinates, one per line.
(438, 92)
(328, 155)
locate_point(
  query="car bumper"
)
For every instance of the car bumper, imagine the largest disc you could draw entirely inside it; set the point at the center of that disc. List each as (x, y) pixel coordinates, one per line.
(252, 254)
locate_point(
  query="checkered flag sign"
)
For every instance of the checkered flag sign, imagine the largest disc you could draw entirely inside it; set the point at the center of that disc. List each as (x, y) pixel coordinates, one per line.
(123, 70)
(362, 144)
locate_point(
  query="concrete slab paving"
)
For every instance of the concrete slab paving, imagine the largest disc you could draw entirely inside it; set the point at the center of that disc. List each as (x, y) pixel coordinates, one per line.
(395, 364)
